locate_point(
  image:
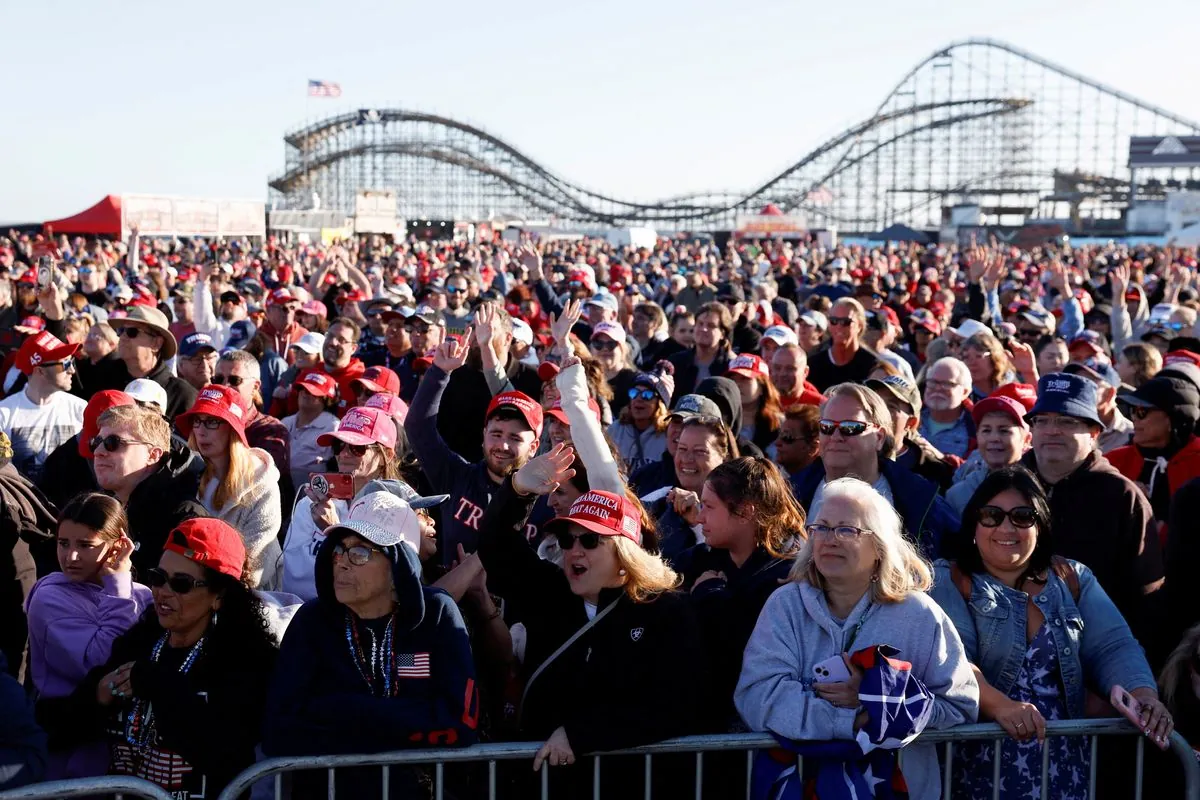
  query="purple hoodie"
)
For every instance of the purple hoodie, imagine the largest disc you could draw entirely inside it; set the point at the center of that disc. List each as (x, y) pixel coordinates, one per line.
(72, 627)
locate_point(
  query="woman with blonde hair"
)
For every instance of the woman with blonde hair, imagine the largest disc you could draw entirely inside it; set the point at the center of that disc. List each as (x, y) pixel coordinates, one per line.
(753, 528)
(989, 364)
(856, 584)
(1138, 363)
(598, 630)
(240, 484)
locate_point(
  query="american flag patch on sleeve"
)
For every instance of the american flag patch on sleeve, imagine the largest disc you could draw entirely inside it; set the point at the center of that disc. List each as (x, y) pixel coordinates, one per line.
(412, 665)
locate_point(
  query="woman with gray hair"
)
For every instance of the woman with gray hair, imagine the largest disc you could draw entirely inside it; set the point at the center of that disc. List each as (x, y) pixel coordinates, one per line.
(857, 584)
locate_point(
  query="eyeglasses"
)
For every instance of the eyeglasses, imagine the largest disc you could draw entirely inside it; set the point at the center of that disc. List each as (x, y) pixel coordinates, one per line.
(846, 427)
(208, 423)
(67, 364)
(604, 345)
(843, 533)
(179, 584)
(357, 554)
(1068, 424)
(841, 322)
(421, 329)
(645, 394)
(112, 443)
(932, 383)
(1141, 412)
(993, 516)
(566, 541)
(357, 450)
(234, 381)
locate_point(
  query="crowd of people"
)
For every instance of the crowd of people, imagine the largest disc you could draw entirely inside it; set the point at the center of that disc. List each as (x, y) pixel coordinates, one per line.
(279, 499)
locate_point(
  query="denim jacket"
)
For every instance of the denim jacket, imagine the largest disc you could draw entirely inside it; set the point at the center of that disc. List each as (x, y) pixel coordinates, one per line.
(1095, 647)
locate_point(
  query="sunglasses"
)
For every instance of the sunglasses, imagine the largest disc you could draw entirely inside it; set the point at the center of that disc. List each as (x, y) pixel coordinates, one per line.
(357, 450)
(606, 345)
(179, 584)
(358, 554)
(67, 364)
(112, 443)
(1021, 516)
(566, 541)
(792, 439)
(129, 332)
(645, 394)
(1141, 412)
(454, 289)
(846, 427)
(233, 380)
(841, 322)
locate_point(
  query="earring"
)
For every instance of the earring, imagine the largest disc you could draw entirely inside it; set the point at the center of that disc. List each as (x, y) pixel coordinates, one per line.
(621, 572)
(875, 578)
(214, 617)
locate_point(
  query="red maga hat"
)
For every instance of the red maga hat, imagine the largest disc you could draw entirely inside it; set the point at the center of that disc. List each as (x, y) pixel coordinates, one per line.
(528, 408)
(378, 379)
(42, 348)
(604, 513)
(318, 384)
(556, 411)
(211, 543)
(222, 402)
(362, 425)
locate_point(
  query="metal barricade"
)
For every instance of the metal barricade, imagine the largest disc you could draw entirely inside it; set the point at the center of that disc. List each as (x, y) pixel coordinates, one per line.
(491, 754)
(124, 788)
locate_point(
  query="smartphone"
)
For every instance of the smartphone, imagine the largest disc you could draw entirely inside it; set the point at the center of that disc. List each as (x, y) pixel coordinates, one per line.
(334, 485)
(831, 670)
(1127, 704)
(45, 273)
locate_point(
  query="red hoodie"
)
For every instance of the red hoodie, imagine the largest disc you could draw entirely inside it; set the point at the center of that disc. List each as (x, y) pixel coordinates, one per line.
(809, 397)
(344, 377)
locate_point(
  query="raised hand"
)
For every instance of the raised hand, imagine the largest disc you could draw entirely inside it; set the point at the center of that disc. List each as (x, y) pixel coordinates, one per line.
(485, 318)
(531, 260)
(452, 353)
(1119, 276)
(544, 474)
(977, 264)
(561, 325)
(119, 558)
(1024, 361)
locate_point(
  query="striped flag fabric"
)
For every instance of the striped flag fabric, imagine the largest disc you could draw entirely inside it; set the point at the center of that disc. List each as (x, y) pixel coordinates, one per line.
(324, 89)
(412, 665)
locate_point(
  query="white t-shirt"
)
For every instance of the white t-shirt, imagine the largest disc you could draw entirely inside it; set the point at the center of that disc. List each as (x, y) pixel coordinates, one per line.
(36, 430)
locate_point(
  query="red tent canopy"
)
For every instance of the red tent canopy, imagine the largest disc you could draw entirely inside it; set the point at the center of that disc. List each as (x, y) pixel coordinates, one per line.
(771, 210)
(102, 219)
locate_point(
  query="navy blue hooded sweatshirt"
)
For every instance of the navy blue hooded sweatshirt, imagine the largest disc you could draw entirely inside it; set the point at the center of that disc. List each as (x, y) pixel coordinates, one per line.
(319, 703)
(22, 742)
(928, 519)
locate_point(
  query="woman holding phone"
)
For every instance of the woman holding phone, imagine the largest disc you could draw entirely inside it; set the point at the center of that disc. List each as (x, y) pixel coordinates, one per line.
(364, 446)
(76, 615)
(1037, 630)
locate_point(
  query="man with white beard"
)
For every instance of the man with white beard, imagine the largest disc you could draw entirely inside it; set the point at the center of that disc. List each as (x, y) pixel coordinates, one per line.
(945, 422)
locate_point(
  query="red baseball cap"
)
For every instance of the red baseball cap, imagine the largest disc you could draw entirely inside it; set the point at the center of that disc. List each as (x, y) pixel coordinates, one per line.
(42, 348)
(556, 411)
(222, 402)
(749, 366)
(548, 371)
(529, 409)
(318, 384)
(604, 513)
(362, 425)
(97, 405)
(1000, 404)
(352, 296)
(30, 325)
(378, 379)
(1023, 393)
(282, 297)
(390, 404)
(316, 308)
(211, 543)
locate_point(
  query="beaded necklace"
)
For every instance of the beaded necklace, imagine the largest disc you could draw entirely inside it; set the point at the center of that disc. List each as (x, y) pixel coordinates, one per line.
(139, 722)
(380, 670)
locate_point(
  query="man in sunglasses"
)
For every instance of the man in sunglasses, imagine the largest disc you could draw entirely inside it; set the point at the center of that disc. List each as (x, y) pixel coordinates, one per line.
(281, 327)
(846, 360)
(1101, 518)
(44, 414)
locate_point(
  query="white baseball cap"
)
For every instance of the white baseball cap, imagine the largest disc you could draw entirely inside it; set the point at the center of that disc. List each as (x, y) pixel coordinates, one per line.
(310, 343)
(781, 335)
(522, 332)
(382, 519)
(147, 391)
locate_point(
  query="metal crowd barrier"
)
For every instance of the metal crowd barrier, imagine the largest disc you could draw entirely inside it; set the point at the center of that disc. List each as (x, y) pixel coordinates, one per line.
(124, 788)
(491, 754)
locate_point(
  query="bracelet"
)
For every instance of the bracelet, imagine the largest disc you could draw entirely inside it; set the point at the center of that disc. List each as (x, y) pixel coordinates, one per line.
(495, 613)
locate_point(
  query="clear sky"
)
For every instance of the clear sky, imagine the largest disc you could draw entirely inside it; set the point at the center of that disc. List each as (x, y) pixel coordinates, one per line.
(639, 98)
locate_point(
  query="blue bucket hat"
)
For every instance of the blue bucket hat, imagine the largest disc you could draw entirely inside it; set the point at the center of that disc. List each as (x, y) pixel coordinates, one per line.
(1066, 394)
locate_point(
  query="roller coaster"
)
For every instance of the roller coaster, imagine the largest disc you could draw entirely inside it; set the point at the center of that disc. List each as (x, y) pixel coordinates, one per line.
(978, 122)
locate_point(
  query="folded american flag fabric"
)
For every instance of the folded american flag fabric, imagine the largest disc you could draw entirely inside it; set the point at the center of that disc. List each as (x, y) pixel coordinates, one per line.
(898, 707)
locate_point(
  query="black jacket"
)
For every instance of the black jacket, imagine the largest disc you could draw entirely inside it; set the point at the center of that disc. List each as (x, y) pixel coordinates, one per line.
(654, 475)
(210, 717)
(27, 525)
(746, 338)
(23, 754)
(728, 611)
(636, 677)
(1101, 518)
(163, 500)
(105, 374)
(687, 373)
(67, 473)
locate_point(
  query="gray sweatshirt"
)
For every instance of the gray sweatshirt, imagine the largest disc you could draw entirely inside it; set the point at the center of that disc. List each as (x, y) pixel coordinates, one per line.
(796, 631)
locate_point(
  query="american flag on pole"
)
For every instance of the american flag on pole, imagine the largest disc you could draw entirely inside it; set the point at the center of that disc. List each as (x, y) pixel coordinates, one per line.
(412, 665)
(324, 89)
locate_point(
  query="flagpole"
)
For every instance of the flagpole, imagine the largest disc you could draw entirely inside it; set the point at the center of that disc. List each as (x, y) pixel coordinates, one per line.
(304, 142)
